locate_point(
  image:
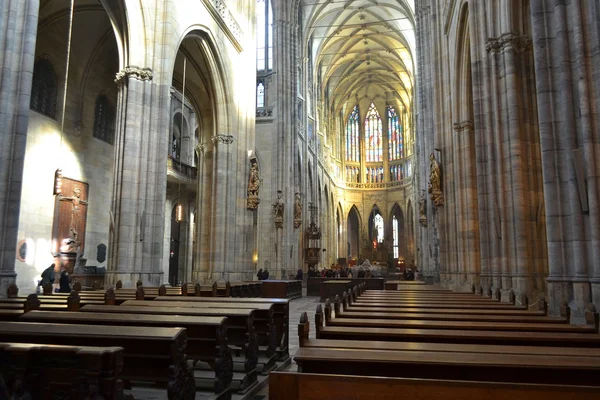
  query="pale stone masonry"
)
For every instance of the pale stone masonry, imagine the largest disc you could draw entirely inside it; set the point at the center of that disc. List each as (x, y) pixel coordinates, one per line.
(502, 94)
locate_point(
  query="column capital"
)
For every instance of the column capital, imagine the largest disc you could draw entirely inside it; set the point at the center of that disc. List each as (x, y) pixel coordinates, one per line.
(463, 126)
(520, 43)
(141, 74)
(225, 139)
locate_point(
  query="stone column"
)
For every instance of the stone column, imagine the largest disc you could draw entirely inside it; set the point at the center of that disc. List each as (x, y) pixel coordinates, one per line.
(222, 216)
(566, 40)
(19, 20)
(139, 185)
(204, 211)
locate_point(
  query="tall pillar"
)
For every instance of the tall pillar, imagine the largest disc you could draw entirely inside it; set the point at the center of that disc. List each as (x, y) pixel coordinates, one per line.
(19, 20)
(204, 211)
(222, 216)
(566, 38)
(140, 181)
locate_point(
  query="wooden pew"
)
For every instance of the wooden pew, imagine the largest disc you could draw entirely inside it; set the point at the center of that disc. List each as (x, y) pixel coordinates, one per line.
(442, 316)
(150, 354)
(240, 333)
(281, 316)
(264, 323)
(456, 336)
(514, 368)
(305, 341)
(453, 324)
(206, 337)
(297, 386)
(82, 372)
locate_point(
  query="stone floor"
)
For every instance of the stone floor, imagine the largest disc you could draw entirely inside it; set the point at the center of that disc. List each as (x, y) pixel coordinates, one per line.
(297, 307)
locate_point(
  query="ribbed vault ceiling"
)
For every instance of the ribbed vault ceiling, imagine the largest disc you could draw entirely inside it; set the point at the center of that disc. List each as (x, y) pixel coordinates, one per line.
(363, 50)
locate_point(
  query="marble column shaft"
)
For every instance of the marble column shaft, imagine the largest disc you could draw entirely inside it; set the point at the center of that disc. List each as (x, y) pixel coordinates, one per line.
(140, 181)
(19, 20)
(566, 46)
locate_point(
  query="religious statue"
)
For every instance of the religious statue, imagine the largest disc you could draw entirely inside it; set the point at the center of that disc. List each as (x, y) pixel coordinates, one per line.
(278, 211)
(76, 201)
(423, 210)
(253, 186)
(298, 211)
(435, 181)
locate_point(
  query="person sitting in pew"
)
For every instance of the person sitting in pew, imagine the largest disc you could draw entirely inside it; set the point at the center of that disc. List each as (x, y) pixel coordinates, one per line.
(64, 287)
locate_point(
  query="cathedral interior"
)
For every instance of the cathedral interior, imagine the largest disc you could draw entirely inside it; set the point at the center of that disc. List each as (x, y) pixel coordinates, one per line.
(450, 136)
(156, 149)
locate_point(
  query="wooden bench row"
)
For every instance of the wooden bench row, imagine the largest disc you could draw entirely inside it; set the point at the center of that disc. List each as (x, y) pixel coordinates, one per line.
(411, 338)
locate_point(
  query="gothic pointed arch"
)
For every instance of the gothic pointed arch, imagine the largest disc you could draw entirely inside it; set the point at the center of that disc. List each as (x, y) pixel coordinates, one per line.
(353, 233)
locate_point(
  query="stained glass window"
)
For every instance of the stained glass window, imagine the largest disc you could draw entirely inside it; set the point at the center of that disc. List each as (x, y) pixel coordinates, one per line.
(352, 136)
(264, 35)
(44, 89)
(260, 94)
(373, 135)
(379, 227)
(104, 120)
(395, 236)
(395, 142)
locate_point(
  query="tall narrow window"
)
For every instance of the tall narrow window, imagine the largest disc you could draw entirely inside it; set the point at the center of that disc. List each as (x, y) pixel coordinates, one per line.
(395, 142)
(379, 227)
(395, 236)
(260, 94)
(104, 119)
(373, 135)
(352, 136)
(44, 88)
(264, 35)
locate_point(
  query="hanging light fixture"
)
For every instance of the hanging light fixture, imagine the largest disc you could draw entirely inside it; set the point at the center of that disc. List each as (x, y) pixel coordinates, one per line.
(57, 181)
(179, 212)
(179, 209)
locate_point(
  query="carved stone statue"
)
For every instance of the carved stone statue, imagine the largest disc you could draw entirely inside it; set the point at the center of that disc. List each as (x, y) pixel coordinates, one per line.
(253, 186)
(423, 210)
(76, 201)
(298, 211)
(435, 181)
(278, 211)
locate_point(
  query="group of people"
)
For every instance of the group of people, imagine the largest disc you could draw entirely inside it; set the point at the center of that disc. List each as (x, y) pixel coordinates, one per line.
(263, 275)
(409, 275)
(49, 276)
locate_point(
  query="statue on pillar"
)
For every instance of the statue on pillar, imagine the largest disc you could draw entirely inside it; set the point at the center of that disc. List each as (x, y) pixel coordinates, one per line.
(423, 209)
(253, 186)
(278, 211)
(435, 181)
(298, 210)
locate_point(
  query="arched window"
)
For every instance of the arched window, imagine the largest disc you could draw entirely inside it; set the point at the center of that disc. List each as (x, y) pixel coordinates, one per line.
(260, 94)
(373, 135)
(378, 222)
(395, 236)
(44, 88)
(104, 119)
(264, 35)
(396, 144)
(352, 135)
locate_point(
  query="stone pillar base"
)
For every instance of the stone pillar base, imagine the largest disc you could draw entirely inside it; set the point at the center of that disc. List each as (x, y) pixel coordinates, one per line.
(582, 293)
(6, 279)
(596, 294)
(558, 292)
(129, 279)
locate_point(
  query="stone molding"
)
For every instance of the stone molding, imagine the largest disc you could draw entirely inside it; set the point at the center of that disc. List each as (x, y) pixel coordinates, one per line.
(141, 74)
(463, 126)
(227, 21)
(264, 113)
(225, 139)
(519, 43)
(201, 147)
